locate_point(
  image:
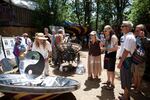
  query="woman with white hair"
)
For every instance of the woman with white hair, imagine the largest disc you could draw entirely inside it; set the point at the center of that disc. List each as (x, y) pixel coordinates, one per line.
(94, 58)
(44, 47)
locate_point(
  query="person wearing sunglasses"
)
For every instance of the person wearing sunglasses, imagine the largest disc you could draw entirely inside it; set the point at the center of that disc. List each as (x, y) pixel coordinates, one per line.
(128, 47)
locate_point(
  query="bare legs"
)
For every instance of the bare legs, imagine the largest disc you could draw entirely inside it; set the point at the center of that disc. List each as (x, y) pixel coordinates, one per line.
(89, 67)
(110, 77)
(94, 66)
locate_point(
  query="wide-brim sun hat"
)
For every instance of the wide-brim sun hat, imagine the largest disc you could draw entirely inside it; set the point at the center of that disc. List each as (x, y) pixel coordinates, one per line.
(40, 36)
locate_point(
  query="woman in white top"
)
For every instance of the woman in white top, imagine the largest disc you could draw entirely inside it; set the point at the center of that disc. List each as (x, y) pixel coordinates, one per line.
(44, 47)
(111, 46)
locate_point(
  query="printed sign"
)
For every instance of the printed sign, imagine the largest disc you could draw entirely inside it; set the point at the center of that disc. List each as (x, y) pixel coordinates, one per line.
(1, 49)
(8, 43)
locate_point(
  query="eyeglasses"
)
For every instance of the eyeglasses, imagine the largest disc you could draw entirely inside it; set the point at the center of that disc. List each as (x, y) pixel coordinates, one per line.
(123, 26)
(92, 35)
(137, 30)
(105, 31)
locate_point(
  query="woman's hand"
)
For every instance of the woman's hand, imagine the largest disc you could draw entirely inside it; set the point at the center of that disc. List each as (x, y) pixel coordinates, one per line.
(103, 49)
(46, 59)
(119, 65)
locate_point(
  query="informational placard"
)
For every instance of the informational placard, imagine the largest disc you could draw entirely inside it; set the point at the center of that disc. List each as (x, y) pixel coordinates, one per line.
(8, 43)
(1, 49)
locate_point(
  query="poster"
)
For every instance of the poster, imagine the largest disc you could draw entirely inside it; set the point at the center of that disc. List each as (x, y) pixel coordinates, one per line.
(1, 49)
(8, 43)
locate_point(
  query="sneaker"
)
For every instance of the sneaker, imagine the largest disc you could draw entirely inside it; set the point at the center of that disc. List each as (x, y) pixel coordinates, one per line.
(112, 86)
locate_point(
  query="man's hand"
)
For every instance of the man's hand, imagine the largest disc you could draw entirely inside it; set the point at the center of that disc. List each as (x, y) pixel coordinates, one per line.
(119, 65)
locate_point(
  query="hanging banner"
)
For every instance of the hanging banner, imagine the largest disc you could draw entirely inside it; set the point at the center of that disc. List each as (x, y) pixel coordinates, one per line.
(1, 49)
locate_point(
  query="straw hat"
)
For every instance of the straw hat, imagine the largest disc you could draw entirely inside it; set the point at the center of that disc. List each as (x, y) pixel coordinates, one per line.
(40, 36)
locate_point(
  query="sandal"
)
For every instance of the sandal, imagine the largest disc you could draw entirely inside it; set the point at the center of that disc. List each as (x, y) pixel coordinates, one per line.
(110, 87)
(90, 78)
(121, 94)
(107, 83)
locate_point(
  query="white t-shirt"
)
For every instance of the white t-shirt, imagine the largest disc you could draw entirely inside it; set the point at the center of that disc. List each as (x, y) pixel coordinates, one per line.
(27, 43)
(122, 39)
(114, 42)
(42, 50)
(129, 43)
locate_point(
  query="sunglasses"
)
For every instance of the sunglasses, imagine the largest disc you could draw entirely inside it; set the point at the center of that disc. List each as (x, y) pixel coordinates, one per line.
(104, 31)
(123, 26)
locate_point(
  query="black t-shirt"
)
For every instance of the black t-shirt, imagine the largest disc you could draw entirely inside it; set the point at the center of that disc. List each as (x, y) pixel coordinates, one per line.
(110, 54)
(94, 49)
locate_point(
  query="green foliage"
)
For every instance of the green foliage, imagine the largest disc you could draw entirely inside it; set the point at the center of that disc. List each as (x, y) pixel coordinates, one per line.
(51, 12)
(140, 12)
(93, 13)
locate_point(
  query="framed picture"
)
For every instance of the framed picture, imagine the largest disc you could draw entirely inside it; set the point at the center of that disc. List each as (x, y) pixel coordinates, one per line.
(8, 52)
(6, 42)
(1, 49)
(12, 43)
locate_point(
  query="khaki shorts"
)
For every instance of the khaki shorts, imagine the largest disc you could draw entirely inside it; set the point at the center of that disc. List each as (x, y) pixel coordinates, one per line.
(139, 69)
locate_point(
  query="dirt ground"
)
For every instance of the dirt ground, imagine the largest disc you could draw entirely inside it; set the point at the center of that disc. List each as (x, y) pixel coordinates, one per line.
(95, 89)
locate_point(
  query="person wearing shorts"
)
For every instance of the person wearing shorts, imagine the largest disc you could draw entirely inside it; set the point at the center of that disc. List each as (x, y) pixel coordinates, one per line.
(139, 68)
(94, 58)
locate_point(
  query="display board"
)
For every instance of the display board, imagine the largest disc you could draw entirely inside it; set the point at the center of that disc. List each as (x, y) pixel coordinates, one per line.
(1, 49)
(8, 43)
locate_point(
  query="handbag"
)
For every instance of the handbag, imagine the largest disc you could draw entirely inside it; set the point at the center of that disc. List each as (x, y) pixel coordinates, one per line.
(138, 56)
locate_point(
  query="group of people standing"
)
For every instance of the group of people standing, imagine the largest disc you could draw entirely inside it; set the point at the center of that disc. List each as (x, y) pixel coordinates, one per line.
(131, 71)
(131, 57)
(96, 47)
(44, 43)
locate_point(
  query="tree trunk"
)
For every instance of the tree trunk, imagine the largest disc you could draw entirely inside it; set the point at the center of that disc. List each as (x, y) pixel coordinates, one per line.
(77, 12)
(97, 14)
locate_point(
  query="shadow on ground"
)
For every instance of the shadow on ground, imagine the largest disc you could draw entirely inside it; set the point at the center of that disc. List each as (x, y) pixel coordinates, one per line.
(92, 84)
(144, 94)
(106, 94)
(64, 96)
(138, 96)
